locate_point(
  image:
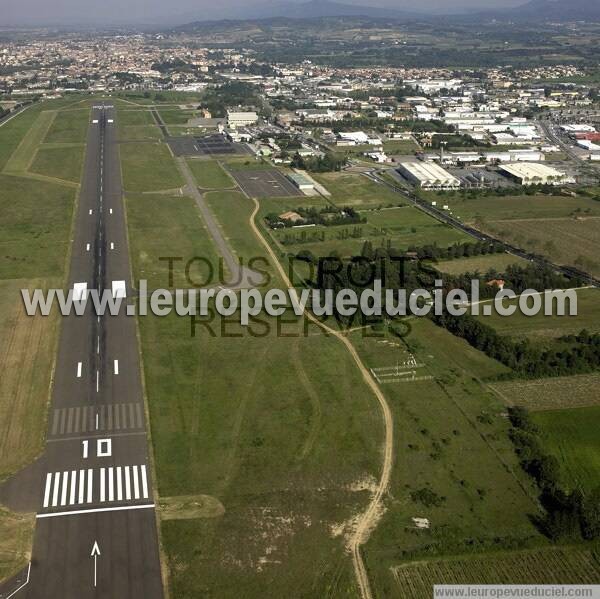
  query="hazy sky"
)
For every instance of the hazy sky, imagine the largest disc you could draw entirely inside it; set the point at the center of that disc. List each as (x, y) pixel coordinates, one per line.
(14, 12)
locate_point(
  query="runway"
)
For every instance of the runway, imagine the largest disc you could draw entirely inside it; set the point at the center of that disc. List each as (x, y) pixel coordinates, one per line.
(95, 532)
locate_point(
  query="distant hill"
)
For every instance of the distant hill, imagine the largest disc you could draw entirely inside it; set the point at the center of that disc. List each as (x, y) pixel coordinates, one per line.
(315, 9)
(273, 10)
(554, 10)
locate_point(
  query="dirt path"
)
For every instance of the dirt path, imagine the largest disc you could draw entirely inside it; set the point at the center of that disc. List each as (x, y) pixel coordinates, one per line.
(369, 518)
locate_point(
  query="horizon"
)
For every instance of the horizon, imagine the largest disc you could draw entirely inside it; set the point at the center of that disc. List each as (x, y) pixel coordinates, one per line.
(142, 13)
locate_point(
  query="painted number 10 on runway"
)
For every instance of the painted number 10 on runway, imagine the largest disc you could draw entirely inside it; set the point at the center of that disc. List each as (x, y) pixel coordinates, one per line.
(103, 448)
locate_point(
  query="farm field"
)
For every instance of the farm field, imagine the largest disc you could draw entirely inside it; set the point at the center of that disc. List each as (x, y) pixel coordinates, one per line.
(572, 437)
(401, 227)
(549, 327)
(478, 264)
(148, 167)
(357, 191)
(449, 429)
(160, 226)
(510, 208)
(59, 162)
(210, 175)
(566, 241)
(569, 565)
(551, 393)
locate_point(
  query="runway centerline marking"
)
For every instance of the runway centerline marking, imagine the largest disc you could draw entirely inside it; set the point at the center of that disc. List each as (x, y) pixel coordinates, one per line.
(116, 366)
(79, 367)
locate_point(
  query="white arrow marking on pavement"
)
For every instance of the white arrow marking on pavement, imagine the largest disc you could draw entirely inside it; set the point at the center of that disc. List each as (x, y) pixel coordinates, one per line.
(95, 553)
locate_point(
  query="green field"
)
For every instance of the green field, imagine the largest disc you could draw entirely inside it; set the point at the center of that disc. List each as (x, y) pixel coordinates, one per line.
(129, 117)
(176, 117)
(148, 167)
(35, 222)
(285, 465)
(162, 226)
(61, 162)
(210, 175)
(553, 393)
(400, 227)
(30, 137)
(69, 126)
(232, 211)
(142, 132)
(572, 436)
(484, 209)
(569, 565)
(449, 430)
(481, 264)
(541, 326)
(35, 230)
(357, 191)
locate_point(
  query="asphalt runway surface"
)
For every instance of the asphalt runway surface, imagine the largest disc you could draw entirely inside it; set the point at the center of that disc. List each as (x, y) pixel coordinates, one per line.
(91, 490)
(265, 183)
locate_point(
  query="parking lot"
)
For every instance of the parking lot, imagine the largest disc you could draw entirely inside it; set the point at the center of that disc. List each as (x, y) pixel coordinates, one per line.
(265, 183)
(204, 146)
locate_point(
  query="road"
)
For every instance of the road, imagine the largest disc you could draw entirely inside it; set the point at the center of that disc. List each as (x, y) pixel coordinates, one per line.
(91, 490)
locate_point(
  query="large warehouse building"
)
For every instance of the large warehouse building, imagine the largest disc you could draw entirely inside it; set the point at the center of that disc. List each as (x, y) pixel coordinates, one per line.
(428, 175)
(530, 173)
(241, 119)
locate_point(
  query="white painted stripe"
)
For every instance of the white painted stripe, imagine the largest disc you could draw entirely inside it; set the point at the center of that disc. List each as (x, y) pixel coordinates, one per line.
(87, 247)
(28, 568)
(73, 485)
(127, 484)
(79, 367)
(81, 486)
(97, 381)
(111, 485)
(136, 483)
(65, 483)
(47, 489)
(144, 482)
(112, 245)
(119, 485)
(90, 486)
(111, 210)
(102, 490)
(55, 490)
(124, 508)
(91, 211)
(116, 366)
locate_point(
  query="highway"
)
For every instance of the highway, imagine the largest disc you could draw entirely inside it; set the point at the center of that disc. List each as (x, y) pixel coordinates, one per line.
(91, 490)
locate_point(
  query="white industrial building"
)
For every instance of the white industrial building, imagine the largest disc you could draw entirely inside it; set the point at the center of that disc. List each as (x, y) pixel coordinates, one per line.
(241, 119)
(428, 175)
(527, 173)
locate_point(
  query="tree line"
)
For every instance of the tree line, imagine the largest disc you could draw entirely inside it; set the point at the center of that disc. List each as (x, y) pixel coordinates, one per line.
(569, 514)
